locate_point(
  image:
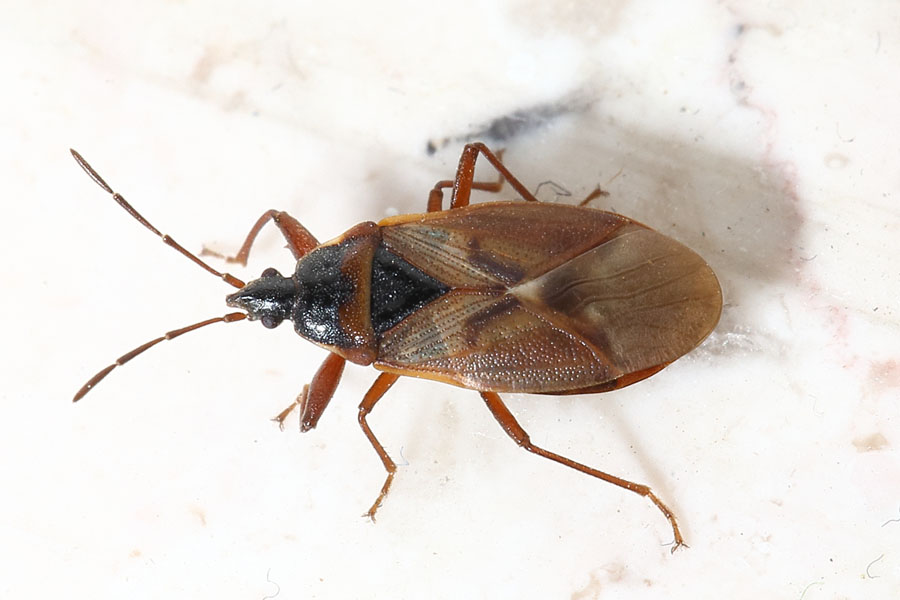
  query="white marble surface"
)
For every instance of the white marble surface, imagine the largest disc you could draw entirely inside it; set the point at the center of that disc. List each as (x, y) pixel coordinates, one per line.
(765, 137)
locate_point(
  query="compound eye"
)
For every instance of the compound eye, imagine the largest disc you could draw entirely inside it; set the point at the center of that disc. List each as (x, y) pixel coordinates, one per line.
(270, 322)
(270, 272)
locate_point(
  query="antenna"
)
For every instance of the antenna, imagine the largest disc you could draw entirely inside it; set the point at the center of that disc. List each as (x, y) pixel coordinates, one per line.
(226, 277)
(229, 318)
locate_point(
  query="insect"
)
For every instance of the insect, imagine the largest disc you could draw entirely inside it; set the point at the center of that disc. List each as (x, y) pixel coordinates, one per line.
(496, 297)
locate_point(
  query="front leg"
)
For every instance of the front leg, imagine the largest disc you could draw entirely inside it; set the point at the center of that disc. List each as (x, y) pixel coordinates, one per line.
(299, 240)
(315, 397)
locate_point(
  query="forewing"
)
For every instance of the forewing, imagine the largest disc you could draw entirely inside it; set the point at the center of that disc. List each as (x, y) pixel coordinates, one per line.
(496, 245)
(641, 299)
(490, 342)
(547, 299)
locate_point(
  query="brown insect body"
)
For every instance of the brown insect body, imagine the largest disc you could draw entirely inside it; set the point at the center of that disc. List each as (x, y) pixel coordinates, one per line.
(500, 297)
(496, 297)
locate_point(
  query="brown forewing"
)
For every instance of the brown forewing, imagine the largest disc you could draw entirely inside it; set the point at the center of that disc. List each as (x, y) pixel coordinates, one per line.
(547, 299)
(496, 244)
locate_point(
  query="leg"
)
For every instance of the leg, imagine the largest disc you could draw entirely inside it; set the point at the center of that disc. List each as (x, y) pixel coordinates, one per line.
(299, 240)
(595, 194)
(316, 396)
(561, 191)
(378, 389)
(464, 184)
(515, 431)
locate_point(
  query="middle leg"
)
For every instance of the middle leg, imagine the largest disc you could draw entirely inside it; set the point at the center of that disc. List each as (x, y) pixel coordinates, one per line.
(375, 393)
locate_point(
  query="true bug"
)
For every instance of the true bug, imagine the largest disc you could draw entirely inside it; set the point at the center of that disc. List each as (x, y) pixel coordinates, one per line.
(522, 297)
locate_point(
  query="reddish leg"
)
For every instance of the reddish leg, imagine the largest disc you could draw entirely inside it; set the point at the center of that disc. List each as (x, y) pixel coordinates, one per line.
(299, 240)
(520, 436)
(378, 389)
(595, 194)
(316, 395)
(463, 184)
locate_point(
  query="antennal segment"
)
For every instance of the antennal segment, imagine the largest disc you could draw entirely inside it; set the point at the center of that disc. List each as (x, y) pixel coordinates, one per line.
(229, 318)
(226, 277)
